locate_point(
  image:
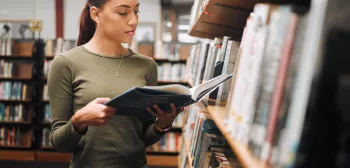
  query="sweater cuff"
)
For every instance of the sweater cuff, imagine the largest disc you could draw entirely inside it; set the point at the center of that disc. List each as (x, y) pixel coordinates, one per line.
(152, 136)
(75, 133)
(72, 129)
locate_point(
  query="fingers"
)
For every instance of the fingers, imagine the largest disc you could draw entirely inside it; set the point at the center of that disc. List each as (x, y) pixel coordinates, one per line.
(153, 113)
(181, 109)
(159, 111)
(173, 109)
(102, 100)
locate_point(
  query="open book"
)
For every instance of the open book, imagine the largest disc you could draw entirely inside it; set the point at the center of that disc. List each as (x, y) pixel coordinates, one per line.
(135, 101)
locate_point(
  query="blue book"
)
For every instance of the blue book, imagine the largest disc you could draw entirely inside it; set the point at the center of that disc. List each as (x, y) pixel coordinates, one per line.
(135, 101)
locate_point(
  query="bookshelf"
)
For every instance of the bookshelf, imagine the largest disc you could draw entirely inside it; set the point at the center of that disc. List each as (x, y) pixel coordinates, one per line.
(212, 21)
(285, 106)
(241, 150)
(189, 158)
(17, 155)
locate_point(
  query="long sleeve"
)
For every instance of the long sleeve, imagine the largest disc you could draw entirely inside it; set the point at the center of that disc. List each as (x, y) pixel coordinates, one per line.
(63, 135)
(150, 135)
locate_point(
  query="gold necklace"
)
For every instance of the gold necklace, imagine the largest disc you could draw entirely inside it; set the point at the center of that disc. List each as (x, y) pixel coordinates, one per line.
(116, 71)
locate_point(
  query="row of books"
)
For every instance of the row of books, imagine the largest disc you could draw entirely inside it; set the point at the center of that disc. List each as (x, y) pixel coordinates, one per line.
(13, 136)
(179, 121)
(47, 65)
(56, 46)
(45, 93)
(15, 69)
(47, 113)
(9, 47)
(259, 96)
(172, 51)
(15, 91)
(206, 143)
(172, 72)
(45, 141)
(171, 142)
(14, 113)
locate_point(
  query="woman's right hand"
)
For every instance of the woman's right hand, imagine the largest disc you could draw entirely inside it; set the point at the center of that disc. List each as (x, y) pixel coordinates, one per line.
(94, 113)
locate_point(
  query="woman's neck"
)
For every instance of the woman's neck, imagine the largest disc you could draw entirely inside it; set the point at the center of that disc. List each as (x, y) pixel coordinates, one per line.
(105, 46)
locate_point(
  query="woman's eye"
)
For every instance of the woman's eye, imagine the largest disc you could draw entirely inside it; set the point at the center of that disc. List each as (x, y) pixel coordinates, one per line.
(123, 14)
(137, 12)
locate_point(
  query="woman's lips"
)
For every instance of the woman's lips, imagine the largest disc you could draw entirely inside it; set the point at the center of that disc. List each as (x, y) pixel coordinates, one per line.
(131, 33)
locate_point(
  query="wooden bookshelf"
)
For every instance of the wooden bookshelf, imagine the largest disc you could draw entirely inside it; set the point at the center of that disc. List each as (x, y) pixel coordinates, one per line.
(170, 61)
(164, 153)
(16, 122)
(15, 101)
(218, 112)
(16, 57)
(47, 147)
(42, 156)
(213, 22)
(16, 146)
(152, 160)
(17, 155)
(189, 158)
(16, 78)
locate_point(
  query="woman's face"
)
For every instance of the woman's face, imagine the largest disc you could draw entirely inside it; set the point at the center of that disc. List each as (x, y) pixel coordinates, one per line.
(118, 19)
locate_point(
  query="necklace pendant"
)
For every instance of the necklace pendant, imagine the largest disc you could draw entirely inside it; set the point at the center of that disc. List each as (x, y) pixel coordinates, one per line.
(117, 74)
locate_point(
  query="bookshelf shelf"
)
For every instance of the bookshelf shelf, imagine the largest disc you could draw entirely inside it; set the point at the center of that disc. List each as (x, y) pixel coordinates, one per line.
(16, 57)
(241, 150)
(17, 155)
(16, 146)
(15, 101)
(213, 22)
(47, 147)
(53, 157)
(170, 61)
(163, 153)
(16, 122)
(16, 79)
(152, 160)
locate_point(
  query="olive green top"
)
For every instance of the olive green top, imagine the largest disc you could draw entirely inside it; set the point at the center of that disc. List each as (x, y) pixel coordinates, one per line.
(79, 76)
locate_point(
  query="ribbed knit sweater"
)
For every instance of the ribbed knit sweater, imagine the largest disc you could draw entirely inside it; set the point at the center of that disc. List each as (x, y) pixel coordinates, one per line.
(77, 77)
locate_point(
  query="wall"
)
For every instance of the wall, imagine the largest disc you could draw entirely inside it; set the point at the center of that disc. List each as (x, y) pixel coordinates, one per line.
(150, 12)
(25, 10)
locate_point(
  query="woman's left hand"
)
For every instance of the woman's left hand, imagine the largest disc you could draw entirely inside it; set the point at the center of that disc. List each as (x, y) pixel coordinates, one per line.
(165, 119)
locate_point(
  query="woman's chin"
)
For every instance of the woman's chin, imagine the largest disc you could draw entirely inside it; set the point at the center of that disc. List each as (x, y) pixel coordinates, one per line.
(127, 40)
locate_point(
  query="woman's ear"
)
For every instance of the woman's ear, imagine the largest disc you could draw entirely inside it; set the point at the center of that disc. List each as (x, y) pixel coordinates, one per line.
(94, 13)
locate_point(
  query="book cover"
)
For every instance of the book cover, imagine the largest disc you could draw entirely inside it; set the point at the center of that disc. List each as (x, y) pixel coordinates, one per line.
(135, 101)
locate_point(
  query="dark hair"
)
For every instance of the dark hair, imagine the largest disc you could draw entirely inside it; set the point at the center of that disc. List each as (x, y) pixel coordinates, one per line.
(87, 26)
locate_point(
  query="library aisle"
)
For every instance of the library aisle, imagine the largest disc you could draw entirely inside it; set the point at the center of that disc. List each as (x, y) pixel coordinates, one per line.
(268, 80)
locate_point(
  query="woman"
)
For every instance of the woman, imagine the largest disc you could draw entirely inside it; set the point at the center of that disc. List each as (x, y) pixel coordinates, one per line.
(82, 79)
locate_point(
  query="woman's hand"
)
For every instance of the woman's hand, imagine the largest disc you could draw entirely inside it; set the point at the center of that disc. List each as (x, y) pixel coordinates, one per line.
(165, 119)
(94, 113)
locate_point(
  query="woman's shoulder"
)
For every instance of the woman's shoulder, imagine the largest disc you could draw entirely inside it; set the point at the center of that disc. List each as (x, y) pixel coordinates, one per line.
(144, 59)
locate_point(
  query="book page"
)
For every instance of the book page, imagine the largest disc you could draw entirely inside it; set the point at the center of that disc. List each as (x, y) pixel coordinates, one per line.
(199, 91)
(175, 88)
